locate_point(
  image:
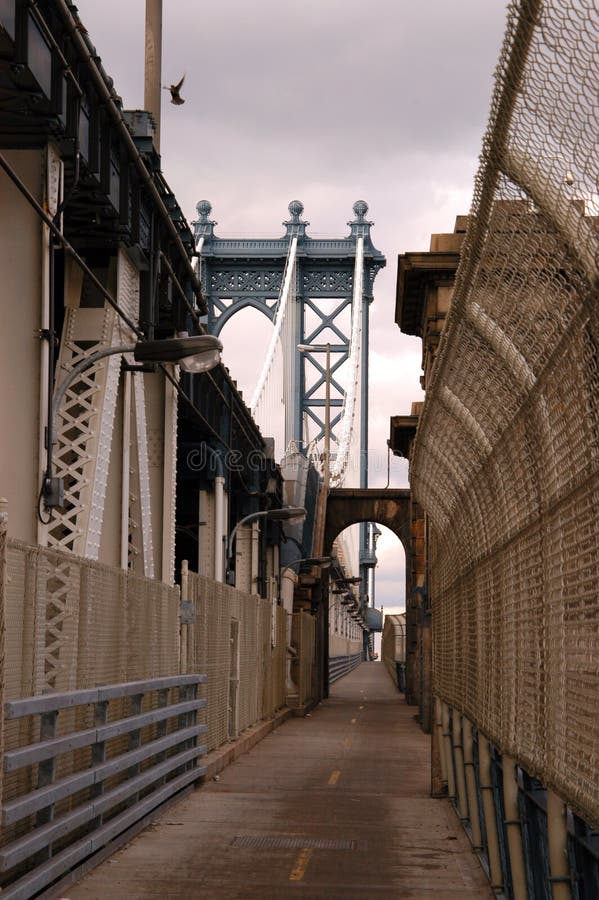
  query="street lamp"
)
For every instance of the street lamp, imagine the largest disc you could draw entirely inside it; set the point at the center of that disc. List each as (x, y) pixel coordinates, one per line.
(198, 353)
(323, 561)
(285, 514)
(324, 348)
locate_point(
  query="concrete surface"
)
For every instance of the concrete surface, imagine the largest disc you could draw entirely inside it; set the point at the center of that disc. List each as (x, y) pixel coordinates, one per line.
(355, 770)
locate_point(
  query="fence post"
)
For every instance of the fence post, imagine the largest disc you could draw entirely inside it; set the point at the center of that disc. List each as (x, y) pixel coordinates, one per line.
(513, 827)
(438, 768)
(486, 787)
(3, 538)
(183, 628)
(471, 783)
(448, 748)
(458, 755)
(557, 834)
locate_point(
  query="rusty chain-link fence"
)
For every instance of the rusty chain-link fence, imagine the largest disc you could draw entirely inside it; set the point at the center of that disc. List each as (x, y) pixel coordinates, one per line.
(506, 456)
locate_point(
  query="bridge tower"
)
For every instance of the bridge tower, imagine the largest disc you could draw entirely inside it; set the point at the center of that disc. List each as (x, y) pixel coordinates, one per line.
(321, 308)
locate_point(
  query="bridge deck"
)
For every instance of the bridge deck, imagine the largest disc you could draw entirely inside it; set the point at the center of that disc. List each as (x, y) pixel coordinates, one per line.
(355, 770)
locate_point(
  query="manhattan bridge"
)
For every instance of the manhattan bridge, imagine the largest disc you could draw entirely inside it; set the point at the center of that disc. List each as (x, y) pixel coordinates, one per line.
(313, 387)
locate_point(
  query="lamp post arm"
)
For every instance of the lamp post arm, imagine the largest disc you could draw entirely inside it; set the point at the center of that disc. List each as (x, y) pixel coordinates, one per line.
(250, 518)
(71, 377)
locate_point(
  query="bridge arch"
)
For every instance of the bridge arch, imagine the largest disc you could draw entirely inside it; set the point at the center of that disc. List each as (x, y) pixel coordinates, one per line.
(236, 306)
(389, 507)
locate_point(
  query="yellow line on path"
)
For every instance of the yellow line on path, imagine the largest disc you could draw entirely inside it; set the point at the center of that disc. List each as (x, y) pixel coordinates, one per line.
(334, 777)
(301, 864)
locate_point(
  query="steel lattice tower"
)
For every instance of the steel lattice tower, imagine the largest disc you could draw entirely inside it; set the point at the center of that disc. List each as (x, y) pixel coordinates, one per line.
(237, 273)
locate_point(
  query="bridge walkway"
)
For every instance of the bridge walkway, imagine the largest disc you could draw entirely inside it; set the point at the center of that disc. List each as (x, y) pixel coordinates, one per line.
(335, 805)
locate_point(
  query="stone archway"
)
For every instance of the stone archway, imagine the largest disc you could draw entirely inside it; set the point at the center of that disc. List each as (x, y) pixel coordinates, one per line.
(391, 507)
(387, 506)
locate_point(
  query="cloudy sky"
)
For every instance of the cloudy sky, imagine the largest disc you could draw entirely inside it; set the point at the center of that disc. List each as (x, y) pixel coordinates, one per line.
(328, 102)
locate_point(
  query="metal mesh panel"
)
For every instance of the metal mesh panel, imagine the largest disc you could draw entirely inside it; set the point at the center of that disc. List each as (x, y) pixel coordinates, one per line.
(117, 626)
(109, 626)
(232, 644)
(512, 411)
(303, 638)
(393, 645)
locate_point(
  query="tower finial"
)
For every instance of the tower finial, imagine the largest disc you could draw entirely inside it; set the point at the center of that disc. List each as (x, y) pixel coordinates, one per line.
(296, 226)
(204, 226)
(360, 226)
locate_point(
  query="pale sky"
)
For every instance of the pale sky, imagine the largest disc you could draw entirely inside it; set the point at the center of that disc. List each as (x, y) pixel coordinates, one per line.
(327, 102)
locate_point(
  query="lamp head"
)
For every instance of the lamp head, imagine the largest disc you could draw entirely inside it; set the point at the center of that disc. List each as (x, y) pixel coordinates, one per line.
(198, 353)
(287, 513)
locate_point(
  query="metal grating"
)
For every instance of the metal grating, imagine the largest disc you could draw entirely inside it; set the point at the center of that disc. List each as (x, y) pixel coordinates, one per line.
(294, 842)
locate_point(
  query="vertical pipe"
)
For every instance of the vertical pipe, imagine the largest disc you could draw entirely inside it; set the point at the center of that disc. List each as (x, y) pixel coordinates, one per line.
(439, 733)
(126, 471)
(557, 833)
(471, 792)
(153, 64)
(448, 749)
(46, 363)
(486, 786)
(183, 628)
(458, 755)
(219, 529)
(169, 483)
(514, 829)
(253, 545)
(438, 773)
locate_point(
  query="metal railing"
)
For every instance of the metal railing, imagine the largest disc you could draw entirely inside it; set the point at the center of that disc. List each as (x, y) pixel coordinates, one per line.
(138, 749)
(342, 665)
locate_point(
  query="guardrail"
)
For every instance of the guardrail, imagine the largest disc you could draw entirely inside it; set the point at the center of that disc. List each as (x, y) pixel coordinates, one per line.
(342, 665)
(107, 791)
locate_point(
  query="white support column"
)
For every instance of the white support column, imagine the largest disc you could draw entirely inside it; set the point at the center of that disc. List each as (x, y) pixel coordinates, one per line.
(219, 527)
(170, 483)
(126, 471)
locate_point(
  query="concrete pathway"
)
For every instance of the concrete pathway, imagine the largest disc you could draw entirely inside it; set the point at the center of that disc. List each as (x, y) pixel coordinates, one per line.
(335, 805)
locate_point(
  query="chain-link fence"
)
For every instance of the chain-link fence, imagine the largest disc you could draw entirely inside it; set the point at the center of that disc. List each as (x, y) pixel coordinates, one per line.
(238, 640)
(74, 623)
(111, 626)
(393, 649)
(303, 642)
(513, 413)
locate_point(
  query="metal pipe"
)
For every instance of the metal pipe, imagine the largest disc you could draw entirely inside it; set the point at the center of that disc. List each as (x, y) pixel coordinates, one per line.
(153, 64)
(439, 733)
(486, 787)
(557, 838)
(471, 792)
(458, 755)
(219, 527)
(184, 661)
(513, 829)
(126, 470)
(448, 749)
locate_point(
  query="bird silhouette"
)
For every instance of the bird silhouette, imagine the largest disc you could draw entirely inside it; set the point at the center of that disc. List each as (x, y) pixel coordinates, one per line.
(175, 89)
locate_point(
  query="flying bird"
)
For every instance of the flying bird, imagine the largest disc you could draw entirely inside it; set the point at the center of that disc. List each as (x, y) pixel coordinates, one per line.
(175, 89)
